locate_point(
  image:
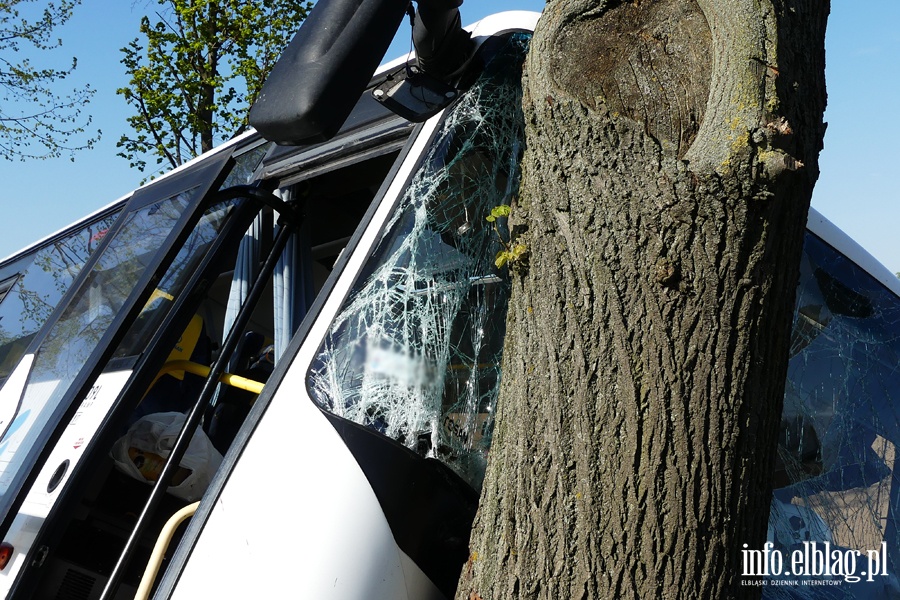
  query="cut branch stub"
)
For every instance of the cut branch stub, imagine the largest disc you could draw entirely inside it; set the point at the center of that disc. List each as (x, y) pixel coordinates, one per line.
(648, 61)
(742, 88)
(699, 75)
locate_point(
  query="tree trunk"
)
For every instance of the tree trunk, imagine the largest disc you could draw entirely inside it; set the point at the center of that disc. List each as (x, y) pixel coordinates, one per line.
(672, 151)
(206, 108)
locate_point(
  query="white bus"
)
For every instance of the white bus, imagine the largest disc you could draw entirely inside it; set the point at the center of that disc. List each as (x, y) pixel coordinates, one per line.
(297, 348)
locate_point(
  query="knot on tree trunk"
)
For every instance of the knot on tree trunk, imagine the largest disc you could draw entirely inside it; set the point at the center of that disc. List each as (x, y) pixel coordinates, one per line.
(648, 61)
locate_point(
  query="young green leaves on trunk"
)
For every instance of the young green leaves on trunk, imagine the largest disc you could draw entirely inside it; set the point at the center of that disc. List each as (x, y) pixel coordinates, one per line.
(511, 252)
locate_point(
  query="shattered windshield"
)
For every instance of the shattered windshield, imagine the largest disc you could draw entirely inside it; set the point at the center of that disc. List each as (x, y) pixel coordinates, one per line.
(835, 481)
(415, 350)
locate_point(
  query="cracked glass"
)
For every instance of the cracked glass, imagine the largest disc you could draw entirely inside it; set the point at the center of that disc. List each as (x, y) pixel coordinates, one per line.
(414, 352)
(835, 480)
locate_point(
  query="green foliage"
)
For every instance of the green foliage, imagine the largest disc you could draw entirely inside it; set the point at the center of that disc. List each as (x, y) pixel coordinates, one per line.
(498, 211)
(196, 71)
(511, 252)
(36, 121)
(515, 253)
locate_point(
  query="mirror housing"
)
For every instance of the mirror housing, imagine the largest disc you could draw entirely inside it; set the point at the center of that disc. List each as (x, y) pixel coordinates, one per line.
(321, 74)
(414, 95)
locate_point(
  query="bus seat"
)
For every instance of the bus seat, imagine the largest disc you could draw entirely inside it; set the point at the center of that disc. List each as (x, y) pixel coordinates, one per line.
(175, 391)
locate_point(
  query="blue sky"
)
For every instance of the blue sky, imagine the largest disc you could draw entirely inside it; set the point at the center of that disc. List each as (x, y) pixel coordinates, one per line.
(858, 189)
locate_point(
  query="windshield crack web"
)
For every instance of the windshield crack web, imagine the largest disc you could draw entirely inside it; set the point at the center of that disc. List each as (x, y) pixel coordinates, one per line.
(836, 490)
(415, 351)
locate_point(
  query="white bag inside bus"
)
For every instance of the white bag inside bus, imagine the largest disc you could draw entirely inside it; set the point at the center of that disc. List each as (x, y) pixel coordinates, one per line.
(141, 453)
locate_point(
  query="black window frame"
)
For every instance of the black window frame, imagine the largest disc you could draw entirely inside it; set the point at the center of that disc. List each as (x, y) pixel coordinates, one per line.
(206, 175)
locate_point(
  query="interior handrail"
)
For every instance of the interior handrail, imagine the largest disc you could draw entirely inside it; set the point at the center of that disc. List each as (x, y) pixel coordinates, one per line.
(168, 530)
(162, 543)
(237, 381)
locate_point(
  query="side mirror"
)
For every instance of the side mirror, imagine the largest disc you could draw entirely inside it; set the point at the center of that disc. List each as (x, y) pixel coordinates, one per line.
(326, 67)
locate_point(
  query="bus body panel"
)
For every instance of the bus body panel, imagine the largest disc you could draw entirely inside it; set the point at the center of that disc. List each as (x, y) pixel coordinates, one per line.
(328, 517)
(316, 529)
(57, 469)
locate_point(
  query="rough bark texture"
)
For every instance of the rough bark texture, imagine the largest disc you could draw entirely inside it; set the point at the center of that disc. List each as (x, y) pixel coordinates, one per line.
(672, 152)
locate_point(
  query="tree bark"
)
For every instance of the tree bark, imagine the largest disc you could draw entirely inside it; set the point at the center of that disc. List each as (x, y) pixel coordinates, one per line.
(672, 149)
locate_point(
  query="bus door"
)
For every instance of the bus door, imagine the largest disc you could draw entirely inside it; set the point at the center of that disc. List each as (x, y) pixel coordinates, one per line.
(33, 282)
(61, 392)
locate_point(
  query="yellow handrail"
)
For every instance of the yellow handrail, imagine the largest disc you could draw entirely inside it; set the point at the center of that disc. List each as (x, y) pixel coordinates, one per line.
(237, 381)
(168, 530)
(159, 550)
